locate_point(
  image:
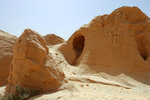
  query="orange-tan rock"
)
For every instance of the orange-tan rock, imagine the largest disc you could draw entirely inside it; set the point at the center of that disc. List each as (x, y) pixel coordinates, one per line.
(118, 41)
(33, 66)
(7, 42)
(52, 39)
(107, 59)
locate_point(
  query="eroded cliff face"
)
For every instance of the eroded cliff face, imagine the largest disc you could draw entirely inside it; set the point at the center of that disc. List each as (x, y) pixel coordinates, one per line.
(32, 65)
(7, 42)
(118, 41)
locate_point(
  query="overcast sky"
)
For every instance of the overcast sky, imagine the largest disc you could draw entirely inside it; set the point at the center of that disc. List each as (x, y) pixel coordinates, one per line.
(61, 17)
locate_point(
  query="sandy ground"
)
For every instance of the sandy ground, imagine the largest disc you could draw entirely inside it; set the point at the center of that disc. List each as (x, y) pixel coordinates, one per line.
(2, 90)
(84, 91)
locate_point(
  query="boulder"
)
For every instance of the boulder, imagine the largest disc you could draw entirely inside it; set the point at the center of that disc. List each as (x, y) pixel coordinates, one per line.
(32, 65)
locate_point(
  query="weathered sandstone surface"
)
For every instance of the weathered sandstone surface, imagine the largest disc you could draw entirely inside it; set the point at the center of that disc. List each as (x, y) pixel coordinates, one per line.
(7, 42)
(118, 41)
(108, 58)
(52, 39)
(32, 65)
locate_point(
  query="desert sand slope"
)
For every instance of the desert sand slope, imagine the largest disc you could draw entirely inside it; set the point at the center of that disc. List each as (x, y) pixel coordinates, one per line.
(107, 59)
(7, 42)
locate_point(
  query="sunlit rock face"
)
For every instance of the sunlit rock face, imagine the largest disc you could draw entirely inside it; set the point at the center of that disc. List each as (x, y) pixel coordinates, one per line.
(108, 58)
(52, 39)
(118, 41)
(7, 42)
(32, 65)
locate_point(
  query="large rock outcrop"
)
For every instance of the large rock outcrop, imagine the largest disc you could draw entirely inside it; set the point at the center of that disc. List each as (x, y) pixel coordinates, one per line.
(7, 42)
(32, 65)
(118, 41)
(109, 58)
(52, 39)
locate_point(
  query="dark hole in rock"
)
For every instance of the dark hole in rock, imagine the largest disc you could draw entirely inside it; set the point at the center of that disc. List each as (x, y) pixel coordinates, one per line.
(78, 45)
(142, 46)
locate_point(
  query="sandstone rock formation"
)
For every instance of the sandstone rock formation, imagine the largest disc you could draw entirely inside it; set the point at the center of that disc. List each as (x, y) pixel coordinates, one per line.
(7, 42)
(109, 58)
(33, 66)
(52, 39)
(118, 41)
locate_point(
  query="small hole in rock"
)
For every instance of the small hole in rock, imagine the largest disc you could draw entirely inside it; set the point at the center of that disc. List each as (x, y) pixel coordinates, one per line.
(144, 57)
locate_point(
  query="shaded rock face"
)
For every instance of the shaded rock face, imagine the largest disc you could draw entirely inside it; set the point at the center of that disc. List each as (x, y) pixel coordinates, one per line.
(7, 42)
(52, 39)
(118, 41)
(32, 65)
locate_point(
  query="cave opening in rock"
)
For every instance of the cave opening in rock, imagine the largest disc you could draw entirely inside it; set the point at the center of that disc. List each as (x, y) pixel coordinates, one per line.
(143, 52)
(142, 46)
(78, 45)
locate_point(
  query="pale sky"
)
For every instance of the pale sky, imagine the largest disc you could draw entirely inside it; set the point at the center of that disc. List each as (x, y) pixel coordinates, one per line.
(61, 17)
